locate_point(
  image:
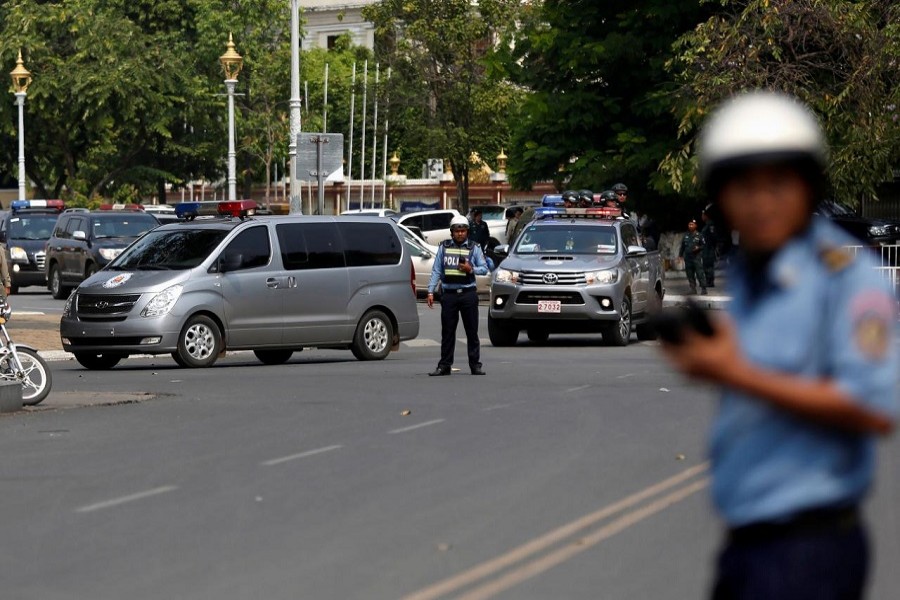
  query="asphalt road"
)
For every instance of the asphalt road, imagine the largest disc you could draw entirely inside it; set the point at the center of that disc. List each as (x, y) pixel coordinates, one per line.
(570, 471)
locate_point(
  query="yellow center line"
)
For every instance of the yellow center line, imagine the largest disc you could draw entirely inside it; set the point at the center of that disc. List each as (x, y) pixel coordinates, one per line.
(543, 542)
(544, 563)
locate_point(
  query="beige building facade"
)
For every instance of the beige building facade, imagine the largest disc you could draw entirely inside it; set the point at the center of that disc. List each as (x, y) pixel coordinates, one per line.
(326, 20)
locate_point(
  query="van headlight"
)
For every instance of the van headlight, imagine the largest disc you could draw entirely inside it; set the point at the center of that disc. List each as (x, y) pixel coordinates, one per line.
(110, 253)
(606, 276)
(162, 303)
(18, 253)
(505, 276)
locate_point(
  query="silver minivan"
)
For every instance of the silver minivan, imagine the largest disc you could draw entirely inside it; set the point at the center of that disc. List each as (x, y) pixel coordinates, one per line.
(273, 285)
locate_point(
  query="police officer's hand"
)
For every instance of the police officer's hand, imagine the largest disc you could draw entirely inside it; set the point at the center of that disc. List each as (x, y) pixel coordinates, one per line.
(6, 288)
(713, 358)
(466, 267)
(430, 300)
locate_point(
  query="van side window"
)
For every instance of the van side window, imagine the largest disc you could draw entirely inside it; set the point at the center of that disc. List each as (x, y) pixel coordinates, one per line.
(370, 244)
(309, 246)
(438, 221)
(253, 246)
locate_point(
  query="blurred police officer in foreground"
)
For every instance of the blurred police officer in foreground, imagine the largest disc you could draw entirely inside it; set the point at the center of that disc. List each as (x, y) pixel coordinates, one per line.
(806, 360)
(4, 272)
(457, 263)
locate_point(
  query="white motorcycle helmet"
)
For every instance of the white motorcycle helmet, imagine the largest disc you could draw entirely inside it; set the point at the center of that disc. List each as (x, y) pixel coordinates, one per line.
(459, 222)
(761, 127)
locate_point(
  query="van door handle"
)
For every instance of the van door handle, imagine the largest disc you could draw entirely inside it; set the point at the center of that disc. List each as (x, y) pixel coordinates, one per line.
(271, 283)
(292, 281)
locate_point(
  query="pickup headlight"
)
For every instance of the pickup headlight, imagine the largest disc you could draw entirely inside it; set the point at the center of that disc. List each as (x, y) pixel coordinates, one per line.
(162, 303)
(606, 276)
(879, 230)
(110, 253)
(70, 303)
(505, 276)
(17, 253)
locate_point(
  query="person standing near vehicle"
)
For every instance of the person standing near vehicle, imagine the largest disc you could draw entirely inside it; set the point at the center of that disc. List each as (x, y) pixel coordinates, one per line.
(710, 247)
(457, 263)
(478, 229)
(692, 252)
(514, 214)
(4, 272)
(805, 358)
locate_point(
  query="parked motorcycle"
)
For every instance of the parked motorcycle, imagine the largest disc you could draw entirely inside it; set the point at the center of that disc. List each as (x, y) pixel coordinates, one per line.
(22, 364)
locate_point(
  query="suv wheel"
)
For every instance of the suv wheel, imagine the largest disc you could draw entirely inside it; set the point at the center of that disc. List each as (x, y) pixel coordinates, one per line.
(373, 337)
(199, 343)
(273, 357)
(501, 334)
(619, 333)
(54, 282)
(97, 362)
(90, 270)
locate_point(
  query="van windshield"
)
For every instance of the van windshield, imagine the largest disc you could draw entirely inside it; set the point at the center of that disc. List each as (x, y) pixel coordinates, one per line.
(169, 250)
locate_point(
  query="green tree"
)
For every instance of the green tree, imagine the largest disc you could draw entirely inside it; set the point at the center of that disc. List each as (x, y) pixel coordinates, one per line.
(446, 100)
(839, 57)
(598, 109)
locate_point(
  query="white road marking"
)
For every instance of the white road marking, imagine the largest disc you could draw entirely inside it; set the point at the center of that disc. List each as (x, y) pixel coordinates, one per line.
(284, 459)
(124, 499)
(577, 389)
(422, 343)
(419, 426)
(626, 376)
(495, 407)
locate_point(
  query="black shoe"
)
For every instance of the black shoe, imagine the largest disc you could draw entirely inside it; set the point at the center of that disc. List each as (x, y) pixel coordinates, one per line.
(440, 372)
(478, 371)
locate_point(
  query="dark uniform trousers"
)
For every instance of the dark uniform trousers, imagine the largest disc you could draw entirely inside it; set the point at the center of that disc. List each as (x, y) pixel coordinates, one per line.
(818, 557)
(455, 304)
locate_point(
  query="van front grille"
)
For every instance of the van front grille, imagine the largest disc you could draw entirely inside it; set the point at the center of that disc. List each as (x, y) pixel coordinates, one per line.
(96, 305)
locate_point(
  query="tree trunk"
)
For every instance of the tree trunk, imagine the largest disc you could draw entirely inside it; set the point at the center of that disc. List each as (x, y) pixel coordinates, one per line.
(161, 191)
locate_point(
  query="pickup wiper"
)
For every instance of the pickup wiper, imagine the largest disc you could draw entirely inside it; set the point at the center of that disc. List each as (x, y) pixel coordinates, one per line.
(153, 268)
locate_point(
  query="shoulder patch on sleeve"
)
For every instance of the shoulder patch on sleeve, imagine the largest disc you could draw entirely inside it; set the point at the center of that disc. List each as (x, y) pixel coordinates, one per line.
(873, 315)
(836, 258)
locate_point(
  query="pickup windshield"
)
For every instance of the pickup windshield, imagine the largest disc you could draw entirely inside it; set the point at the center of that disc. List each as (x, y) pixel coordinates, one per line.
(169, 250)
(33, 227)
(568, 239)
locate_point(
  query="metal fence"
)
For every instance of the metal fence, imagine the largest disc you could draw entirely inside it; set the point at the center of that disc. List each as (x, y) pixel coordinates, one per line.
(890, 263)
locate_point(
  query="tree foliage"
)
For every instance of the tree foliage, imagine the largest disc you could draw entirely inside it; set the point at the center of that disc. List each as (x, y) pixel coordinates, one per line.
(446, 100)
(598, 109)
(840, 57)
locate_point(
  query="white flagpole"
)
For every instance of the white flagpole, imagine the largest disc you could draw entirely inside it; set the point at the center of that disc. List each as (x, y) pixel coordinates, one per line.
(325, 103)
(375, 132)
(352, 118)
(384, 148)
(362, 153)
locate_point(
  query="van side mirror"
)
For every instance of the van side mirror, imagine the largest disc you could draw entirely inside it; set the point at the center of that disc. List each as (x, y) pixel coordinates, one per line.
(79, 235)
(636, 251)
(229, 262)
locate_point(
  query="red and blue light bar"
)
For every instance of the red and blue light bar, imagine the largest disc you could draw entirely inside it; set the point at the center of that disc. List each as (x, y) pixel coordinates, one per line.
(57, 205)
(228, 208)
(600, 212)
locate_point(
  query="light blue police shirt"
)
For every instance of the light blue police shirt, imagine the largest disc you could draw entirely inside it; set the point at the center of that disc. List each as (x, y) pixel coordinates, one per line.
(821, 314)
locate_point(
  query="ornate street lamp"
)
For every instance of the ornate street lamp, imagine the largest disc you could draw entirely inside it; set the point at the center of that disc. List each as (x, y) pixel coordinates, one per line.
(21, 79)
(231, 64)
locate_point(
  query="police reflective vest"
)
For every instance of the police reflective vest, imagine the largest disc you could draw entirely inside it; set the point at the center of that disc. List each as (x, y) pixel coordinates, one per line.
(452, 254)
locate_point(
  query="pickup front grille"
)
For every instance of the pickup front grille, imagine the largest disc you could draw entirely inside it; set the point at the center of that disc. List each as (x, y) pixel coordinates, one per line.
(552, 278)
(40, 259)
(562, 297)
(103, 305)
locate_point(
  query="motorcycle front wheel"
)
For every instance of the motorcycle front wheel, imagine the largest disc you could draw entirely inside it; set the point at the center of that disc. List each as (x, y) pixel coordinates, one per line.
(35, 375)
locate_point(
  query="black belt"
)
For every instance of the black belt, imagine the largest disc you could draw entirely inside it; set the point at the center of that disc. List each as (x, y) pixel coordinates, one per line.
(459, 290)
(810, 521)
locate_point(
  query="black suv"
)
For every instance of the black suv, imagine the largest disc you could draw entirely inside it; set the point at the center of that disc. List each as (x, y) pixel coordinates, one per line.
(84, 242)
(870, 232)
(25, 232)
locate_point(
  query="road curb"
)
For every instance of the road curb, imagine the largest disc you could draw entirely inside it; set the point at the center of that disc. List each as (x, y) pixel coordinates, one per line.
(707, 302)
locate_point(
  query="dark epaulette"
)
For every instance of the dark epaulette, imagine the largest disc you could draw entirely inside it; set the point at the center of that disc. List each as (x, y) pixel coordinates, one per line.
(447, 243)
(836, 258)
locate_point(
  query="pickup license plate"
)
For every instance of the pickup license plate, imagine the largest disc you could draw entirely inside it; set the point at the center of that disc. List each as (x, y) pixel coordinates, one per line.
(549, 306)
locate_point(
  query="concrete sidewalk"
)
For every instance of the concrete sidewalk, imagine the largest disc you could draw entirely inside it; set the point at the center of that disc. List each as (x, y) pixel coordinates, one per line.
(678, 290)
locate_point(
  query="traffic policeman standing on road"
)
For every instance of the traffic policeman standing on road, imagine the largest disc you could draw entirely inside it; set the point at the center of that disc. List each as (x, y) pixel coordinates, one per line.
(806, 360)
(692, 246)
(457, 263)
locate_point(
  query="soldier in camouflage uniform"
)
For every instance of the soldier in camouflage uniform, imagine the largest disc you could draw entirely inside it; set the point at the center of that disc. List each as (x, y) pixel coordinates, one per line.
(692, 252)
